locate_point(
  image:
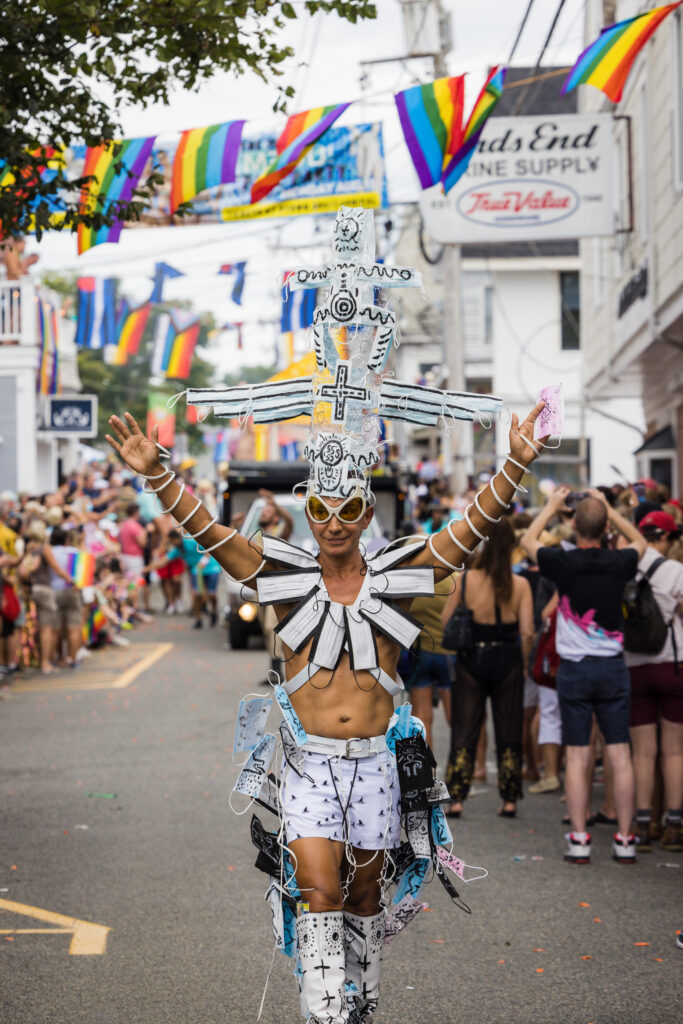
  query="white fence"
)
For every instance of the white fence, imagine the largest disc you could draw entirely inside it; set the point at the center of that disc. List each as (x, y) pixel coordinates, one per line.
(18, 312)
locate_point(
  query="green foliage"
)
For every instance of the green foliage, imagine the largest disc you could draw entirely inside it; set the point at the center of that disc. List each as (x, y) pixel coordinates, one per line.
(67, 67)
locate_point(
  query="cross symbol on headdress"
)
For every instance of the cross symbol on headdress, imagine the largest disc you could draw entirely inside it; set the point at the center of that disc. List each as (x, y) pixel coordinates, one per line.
(341, 391)
(322, 967)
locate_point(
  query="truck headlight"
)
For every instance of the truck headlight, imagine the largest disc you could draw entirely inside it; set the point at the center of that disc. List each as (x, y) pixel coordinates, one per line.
(248, 612)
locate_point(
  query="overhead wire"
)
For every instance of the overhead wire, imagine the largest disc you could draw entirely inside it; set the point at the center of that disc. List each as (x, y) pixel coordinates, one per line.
(539, 59)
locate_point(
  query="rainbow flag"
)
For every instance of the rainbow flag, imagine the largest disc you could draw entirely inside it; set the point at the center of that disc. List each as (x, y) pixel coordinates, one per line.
(431, 119)
(115, 178)
(80, 565)
(95, 623)
(48, 382)
(486, 103)
(205, 157)
(130, 328)
(174, 345)
(606, 63)
(301, 132)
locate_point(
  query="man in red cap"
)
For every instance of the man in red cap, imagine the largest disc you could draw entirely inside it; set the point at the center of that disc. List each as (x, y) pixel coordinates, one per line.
(657, 688)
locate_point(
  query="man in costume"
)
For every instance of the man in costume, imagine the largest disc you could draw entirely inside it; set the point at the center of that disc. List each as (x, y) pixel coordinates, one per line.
(354, 771)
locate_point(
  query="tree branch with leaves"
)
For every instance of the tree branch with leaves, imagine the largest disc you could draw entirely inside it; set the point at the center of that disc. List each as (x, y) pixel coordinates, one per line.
(67, 66)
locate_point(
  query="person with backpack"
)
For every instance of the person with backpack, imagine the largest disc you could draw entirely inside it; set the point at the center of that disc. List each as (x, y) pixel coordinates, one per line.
(654, 649)
(592, 677)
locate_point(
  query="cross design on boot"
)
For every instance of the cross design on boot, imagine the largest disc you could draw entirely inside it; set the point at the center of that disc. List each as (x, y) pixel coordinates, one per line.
(363, 963)
(322, 967)
(327, 998)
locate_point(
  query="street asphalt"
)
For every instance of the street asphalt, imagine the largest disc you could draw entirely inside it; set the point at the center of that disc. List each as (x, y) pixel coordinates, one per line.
(114, 811)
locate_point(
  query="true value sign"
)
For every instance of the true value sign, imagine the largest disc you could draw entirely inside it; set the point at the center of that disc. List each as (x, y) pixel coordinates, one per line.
(530, 178)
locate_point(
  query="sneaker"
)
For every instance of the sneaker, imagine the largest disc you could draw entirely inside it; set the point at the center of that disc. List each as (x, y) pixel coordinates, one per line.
(197, 624)
(679, 939)
(120, 641)
(578, 851)
(624, 848)
(672, 838)
(549, 785)
(641, 831)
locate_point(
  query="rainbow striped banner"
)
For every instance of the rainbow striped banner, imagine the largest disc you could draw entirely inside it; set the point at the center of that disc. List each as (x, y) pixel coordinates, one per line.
(80, 565)
(174, 346)
(205, 157)
(115, 178)
(481, 111)
(606, 63)
(48, 380)
(431, 119)
(130, 327)
(301, 132)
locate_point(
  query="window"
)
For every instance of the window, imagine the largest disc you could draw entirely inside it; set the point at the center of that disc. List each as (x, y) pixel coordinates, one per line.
(571, 312)
(644, 201)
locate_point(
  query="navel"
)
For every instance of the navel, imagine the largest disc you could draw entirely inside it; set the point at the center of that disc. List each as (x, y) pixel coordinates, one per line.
(344, 718)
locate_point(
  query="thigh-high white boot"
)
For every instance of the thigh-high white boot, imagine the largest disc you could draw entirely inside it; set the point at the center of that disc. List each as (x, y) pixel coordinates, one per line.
(320, 939)
(364, 942)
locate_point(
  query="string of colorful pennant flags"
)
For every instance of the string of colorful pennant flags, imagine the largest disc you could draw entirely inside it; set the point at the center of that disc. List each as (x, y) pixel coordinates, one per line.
(438, 138)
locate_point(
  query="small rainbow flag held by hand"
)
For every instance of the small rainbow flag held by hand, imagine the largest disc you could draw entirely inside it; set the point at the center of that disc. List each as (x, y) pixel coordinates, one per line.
(486, 103)
(80, 566)
(431, 119)
(117, 171)
(301, 132)
(606, 63)
(205, 157)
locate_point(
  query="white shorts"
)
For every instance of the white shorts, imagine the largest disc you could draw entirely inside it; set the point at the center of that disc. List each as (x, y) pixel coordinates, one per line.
(530, 693)
(550, 724)
(349, 800)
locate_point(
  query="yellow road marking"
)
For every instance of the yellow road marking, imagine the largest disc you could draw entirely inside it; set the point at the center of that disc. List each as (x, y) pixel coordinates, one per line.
(127, 677)
(88, 939)
(97, 677)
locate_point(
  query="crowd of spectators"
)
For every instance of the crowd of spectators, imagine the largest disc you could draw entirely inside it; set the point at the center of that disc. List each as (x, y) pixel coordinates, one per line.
(575, 636)
(77, 565)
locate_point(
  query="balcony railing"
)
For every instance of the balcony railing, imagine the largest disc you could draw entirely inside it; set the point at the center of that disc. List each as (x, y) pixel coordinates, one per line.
(18, 312)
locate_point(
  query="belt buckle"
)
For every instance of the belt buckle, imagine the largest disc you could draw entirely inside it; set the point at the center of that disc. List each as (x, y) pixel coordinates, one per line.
(349, 749)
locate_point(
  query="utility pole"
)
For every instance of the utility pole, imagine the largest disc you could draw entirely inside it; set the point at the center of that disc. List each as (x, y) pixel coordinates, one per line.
(456, 437)
(427, 28)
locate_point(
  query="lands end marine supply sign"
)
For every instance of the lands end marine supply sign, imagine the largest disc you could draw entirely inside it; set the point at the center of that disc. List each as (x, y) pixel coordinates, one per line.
(531, 178)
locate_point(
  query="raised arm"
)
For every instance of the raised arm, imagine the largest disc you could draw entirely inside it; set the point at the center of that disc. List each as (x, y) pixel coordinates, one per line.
(623, 525)
(555, 503)
(447, 549)
(233, 552)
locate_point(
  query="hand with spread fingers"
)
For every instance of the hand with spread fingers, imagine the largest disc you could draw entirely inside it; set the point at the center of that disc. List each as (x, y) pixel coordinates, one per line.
(522, 443)
(139, 452)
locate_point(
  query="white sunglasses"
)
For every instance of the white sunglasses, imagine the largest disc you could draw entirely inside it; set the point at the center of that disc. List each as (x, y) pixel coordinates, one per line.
(349, 512)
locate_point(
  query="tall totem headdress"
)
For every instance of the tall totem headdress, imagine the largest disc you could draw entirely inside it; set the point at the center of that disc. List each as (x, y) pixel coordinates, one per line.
(351, 390)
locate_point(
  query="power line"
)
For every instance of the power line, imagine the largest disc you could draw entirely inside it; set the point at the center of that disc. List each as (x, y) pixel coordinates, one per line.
(520, 30)
(541, 55)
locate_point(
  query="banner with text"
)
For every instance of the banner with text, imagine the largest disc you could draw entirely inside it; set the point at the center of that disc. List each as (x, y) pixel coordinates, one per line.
(531, 179)
(346, 167)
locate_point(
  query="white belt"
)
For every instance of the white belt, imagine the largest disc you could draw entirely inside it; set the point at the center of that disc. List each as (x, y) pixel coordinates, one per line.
(353, 748)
